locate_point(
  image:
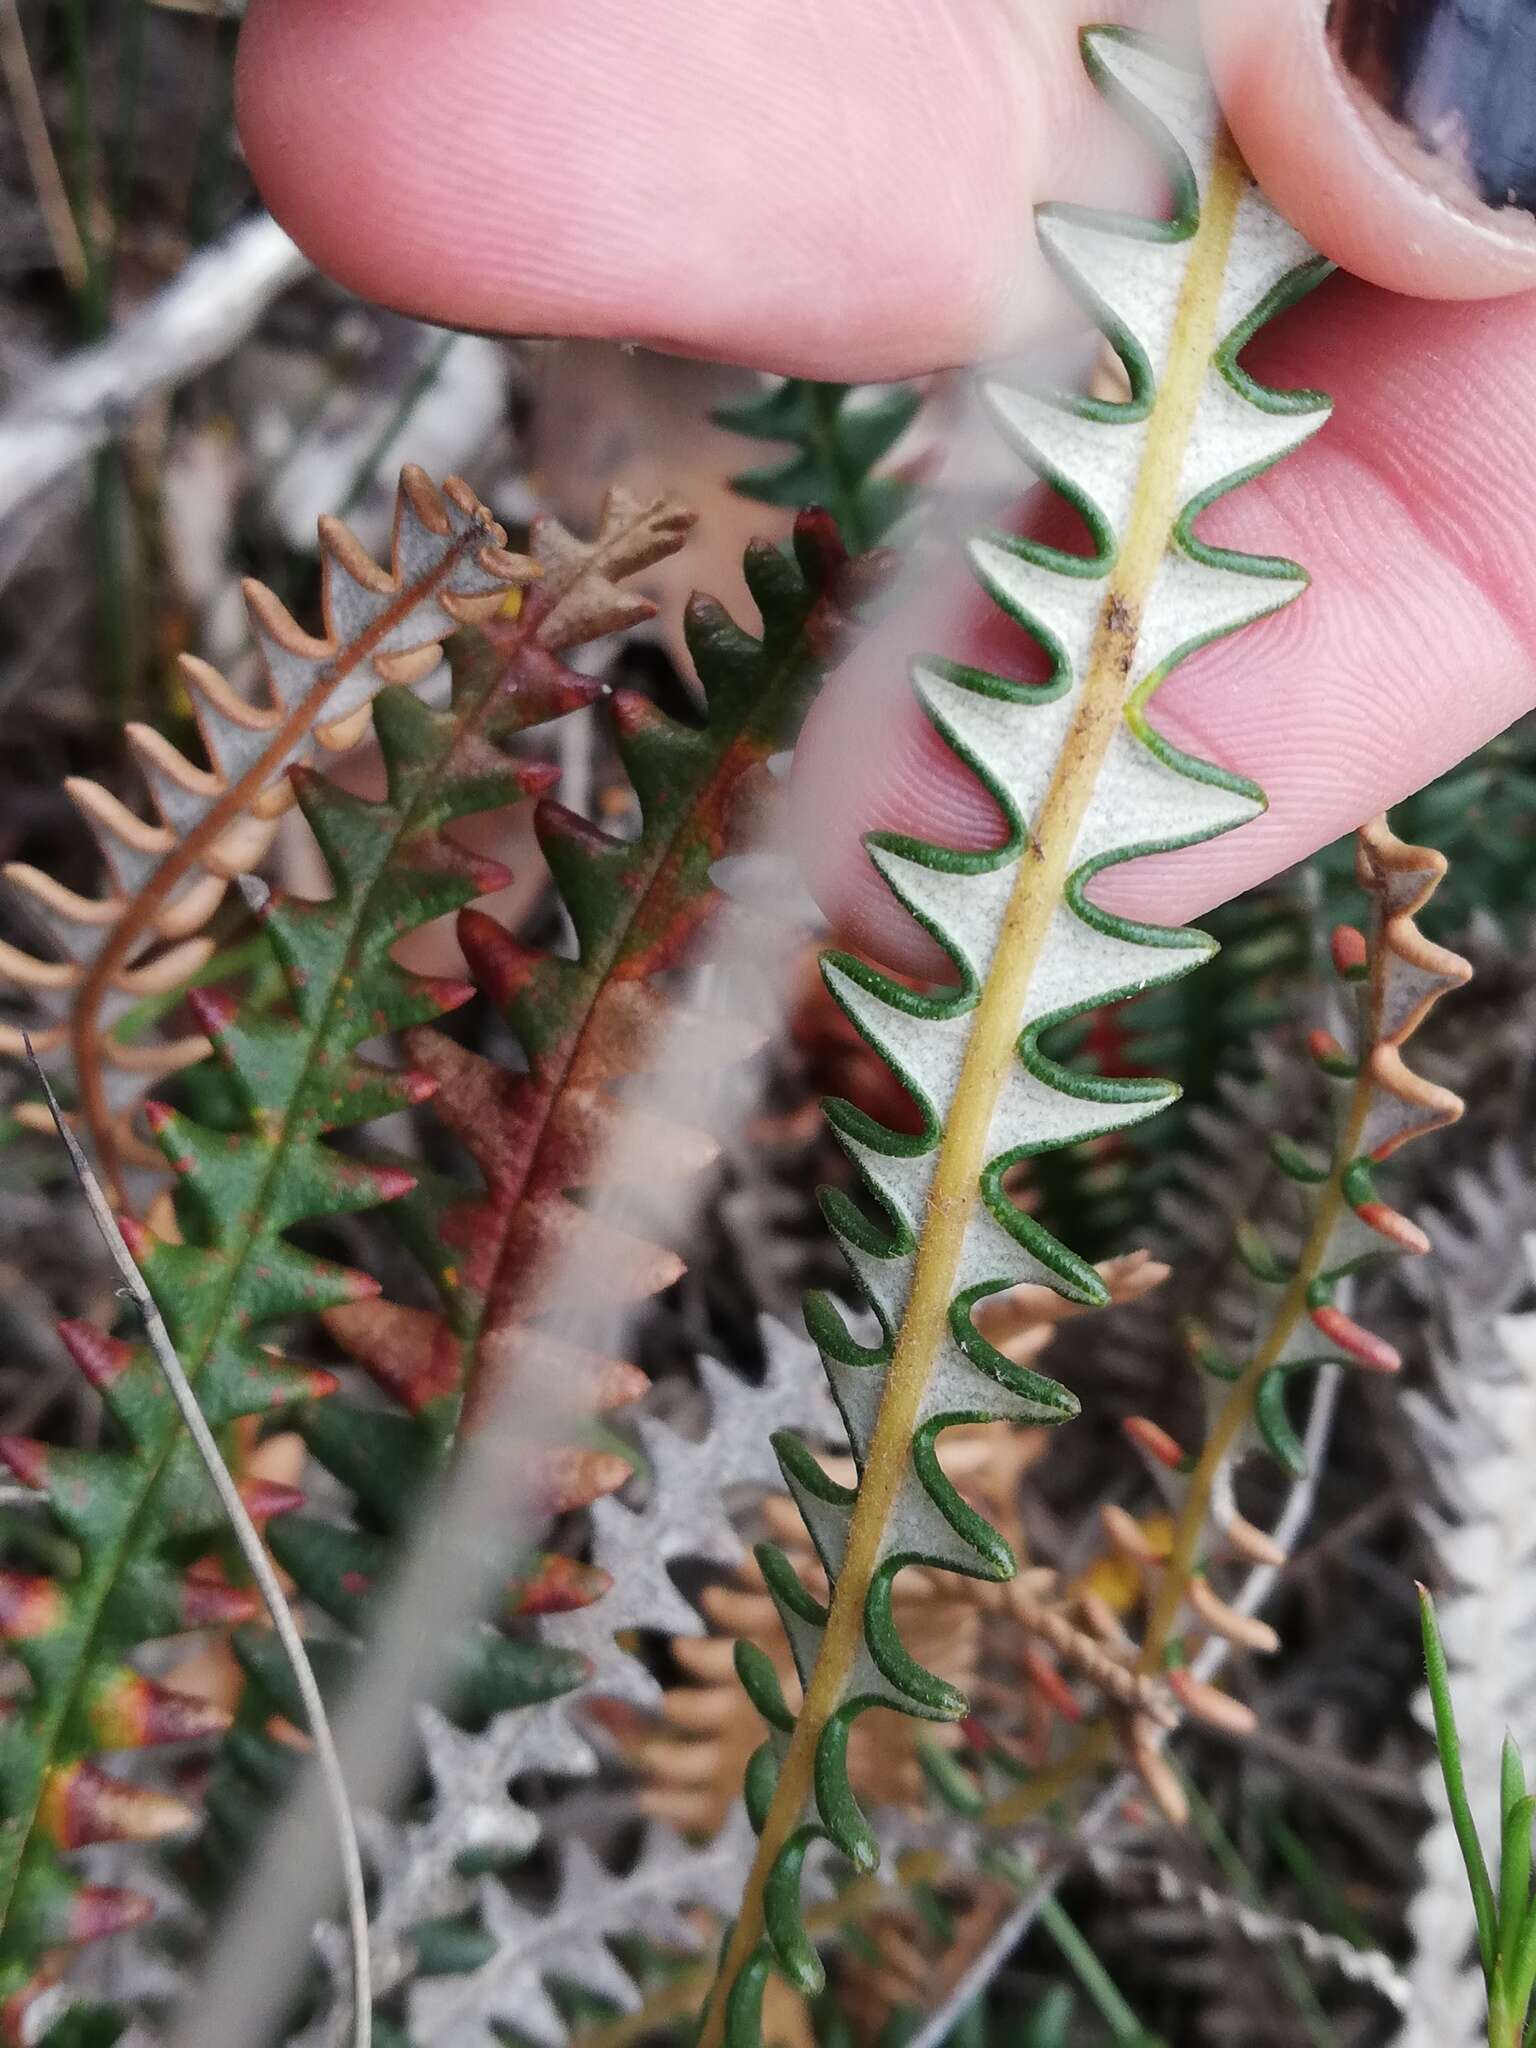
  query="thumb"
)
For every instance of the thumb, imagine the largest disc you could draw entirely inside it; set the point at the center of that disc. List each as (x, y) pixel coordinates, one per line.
(1399, 138)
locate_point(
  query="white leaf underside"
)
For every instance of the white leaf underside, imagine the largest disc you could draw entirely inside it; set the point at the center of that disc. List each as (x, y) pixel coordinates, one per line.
(1013, 739)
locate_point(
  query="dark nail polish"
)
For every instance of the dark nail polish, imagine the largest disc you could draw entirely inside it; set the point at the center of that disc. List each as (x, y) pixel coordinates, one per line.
(1459, 76)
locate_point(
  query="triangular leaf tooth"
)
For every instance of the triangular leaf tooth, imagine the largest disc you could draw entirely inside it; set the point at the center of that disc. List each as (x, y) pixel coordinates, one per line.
(411, 1353)
(261, 1379)
(128, 1711)
(494, 1675)
(856, 1376)
(778, 414)
(932, 1524)
(1233, 438)
(206, 1603)
(588, 866)
(923, 1046)
(579, 597)
(121, 1373)
(1010, 732)
(1043, 1106)
(509, 972)
(803, 1617)
(1134, 282)
(266, 1498)
(1094, 458)
(825, 1506)
(650, 745)
(899, 1172)
(235, 735)
(1138, 75)
(90, 1912)
(1403, 1106)
(788, 484)
(1057, 600)
(1148, 800)
(586, 1382)
(292, 658)
(354, 835)
(961, 904)
(725, 656)
(132, 849)
(598, 1139)
(31, 1607)
(1090, 960)
(972, 1381)
(81, 1804)
(871, 425)
(571, 1477)
(1193, 601)
(619, 1265)
(1412, 981)
(884, 1274)
(556, 1585)
(181, 793)
(774, 579)
(323, 1182)
(1268, 256)
(86, 1489)
(433, 853)
(533, 686)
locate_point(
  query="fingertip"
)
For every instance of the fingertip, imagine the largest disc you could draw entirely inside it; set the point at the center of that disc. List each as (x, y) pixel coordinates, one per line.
(826, 193)
(1322, 124)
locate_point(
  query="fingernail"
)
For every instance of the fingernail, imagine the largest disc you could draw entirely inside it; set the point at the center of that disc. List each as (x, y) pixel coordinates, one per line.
(1455, 81)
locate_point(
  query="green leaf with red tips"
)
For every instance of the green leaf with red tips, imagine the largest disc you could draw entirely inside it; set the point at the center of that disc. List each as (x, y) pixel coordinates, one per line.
(143, 1514)
(639, 908)
(128, 1711)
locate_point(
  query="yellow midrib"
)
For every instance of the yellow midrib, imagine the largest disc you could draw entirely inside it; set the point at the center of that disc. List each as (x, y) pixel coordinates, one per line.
(963, 1154)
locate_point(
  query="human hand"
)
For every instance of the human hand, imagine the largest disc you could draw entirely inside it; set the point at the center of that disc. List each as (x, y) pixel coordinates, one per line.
(840, 188)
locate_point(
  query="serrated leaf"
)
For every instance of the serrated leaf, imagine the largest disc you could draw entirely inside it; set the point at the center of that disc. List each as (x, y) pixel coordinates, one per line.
(1082, 780)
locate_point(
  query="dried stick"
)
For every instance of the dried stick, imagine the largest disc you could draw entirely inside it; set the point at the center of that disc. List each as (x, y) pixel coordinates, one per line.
(196, 320)
(32, 126)
(257, 1561)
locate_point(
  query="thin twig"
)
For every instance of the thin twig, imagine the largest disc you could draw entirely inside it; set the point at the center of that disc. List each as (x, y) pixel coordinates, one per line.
(32, 126)
(251, 1550)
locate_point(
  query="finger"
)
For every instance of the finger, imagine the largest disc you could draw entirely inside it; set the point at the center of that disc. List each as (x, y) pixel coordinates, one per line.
(1416, 642)
(834, 191)
(1400, 140)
